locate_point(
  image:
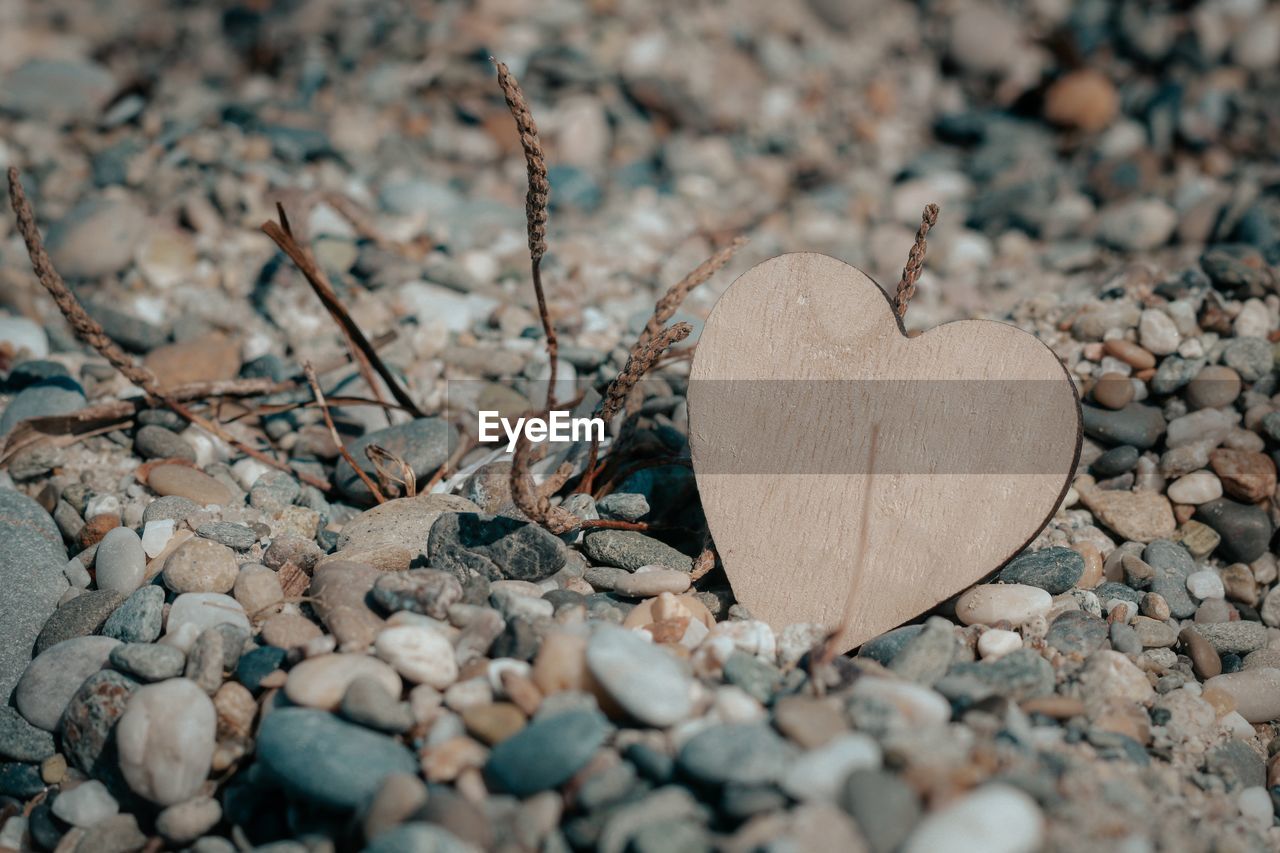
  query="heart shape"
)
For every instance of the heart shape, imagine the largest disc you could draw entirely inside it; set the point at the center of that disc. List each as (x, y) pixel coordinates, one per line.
(801, 360)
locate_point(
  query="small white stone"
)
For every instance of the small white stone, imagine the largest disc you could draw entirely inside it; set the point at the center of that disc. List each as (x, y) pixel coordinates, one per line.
(819, 773)
(1012, 602)
(1237, 726)
(86, 804)
(994, 819)
(1205, 584)
(166, 740)
(998, 642)
(1157, 332)
(1253, 321)
(23, 334)
(732, 704)
(1198, 487)
(918, 705)
(204, 610)
(418, 653)
(247, 471)
(499, 667)
(1255, 807)
(102, 505)
(156, 535)
(321, 682)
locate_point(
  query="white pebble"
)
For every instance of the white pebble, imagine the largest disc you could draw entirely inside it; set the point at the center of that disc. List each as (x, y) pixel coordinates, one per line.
(418, 653)
(23, 334)
(997, 643)
(919, 706)
(1157, 332)
(1255, 807)
(166, 740)
(156, 535)
(995, 819)
(102, 505)
(1015, 603)
(86, 804)
(247, 471)
(819, 773)
(1198, 487)
(1253, 321)
(1205, 584)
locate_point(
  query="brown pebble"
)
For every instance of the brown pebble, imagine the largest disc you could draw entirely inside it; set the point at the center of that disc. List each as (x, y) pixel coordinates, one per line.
(1204, 660)
(1137, 572)
(493, 722)
(1154, 606)
(1182, 513)
(1130, 353)
(97, 527)
(204, 359)
(1213, 387)
(1238, 581)
(53, 769)
(1092, 575)
(189, 483)
(1057, 707)
(522, 691)
(1246, 475)
(1083, 99)
(289, 631)
(443, 762)
(1113, 390)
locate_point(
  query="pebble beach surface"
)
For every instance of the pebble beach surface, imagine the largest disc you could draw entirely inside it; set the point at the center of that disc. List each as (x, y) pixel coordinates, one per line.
(201, 652)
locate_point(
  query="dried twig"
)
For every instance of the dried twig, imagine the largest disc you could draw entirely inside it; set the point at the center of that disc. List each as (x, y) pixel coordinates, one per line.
(333, 432)
(92, 333)
(670, 301)
(526, 496)
(392, 470)
(535, 207)
(915, 262)
(642, 357)
(365, 355)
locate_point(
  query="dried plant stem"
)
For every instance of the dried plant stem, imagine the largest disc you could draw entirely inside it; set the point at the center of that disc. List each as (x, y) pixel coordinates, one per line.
(362, 351)
(670, 302)
(642, 358)
(384, 461)
(92, 333)
(535, 207)
(705, 561)
(333, 432)
(526, 495)
(915, 262)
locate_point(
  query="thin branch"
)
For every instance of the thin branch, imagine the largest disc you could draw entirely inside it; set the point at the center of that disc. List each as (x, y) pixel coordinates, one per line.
(333, 432)
(535, 207)
(364, 353)
(915, 262)
(670, 301)
(383, 461)
(92, 333)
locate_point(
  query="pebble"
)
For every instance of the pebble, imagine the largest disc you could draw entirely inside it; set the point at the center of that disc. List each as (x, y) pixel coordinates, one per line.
(166, 740)
(1205, 584)
(1198, 487)
(49, 682)
(994, 819)
(86, 724)
(743, 753)
(1076, 632)
(86, 804)
(1213, 387)
(884, 806)
(21, 741)
(629, 549)
(139, 619)
(1153, 633)
(1245, 529)
(156, 442)
(497, 547)
(323, 760)
(338, 592)
(1137, 225)
(206, 358)
(79, 617)
(21, 334)
(427, 591)
(997, 642)
(201, 565)
(148, 661)
(1116, 461)
(1135, 425)
(1234, 637)
(96, 237)
(419, 653)
(646, 681)
(193, 612)
(424, 444)
(819, 774)
(1246, 475)
(1256, 692)
(289, 631)
(1140, 516)
(368, 703)
(120, 562)
(183, 823)
(1250, 357)
(1054, 570)
(1083, 99)
(1016, 604)
(320, 682)
(394, 534)
(185, 482)
(1204, 658)
(546, 753)
(1112, 391)
(117, 834)
(238, 537)
(258, 590)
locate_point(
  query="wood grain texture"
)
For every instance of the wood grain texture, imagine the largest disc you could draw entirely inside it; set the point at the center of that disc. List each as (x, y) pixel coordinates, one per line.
(979, 432)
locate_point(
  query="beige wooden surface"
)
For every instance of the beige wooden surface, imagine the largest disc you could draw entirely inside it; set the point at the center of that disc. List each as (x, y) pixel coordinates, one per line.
(979, 432)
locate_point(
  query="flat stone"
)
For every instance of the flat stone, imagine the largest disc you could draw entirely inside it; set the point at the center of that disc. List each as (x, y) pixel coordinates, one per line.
(1256, 692)
(207, 358)
(1054, 570)
(289, 631)
(546, 753)
(745, 753)
(21, 741)
(1246, 475)
(393, 536)
(238, 537)
(57, 395)
(58, 90)
(630, 549)
(645, 680)
(139, 619)
(1077, 632)
(430, 592)
(424, 444)
(320, 682)
(338, 592)
(495, 547)
(31, 581)
(1245, 529)
(1135, 425)
(166, 740)
(87, 723)
(148, 661)
(79, 617)
(201, 565)
(54, 676)
(1234, 637)
(927, 656)
(884, 648)
(319, 758)
(120, 562)
(86, 804)
(186, 482)
(1140, 516)
(1019, 676)
(1013, 603)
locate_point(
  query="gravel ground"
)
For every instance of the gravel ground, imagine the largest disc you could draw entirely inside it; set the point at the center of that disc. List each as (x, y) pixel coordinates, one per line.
(200, 651)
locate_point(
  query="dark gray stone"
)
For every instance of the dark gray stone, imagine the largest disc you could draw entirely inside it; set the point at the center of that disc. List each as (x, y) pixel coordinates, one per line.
(1077, 632)
(630, 549)
(757, 678)
(79, 617)
(1136, 425)
(21, 741)
(139, 619)
(257, 664)
(87, 724)
(883, 805)
(1054, 570)
(746, 753)
(627, 506)
(56, 396)
(1245, 529)
(1116, 461)
(547, 752)
(927, 656)
(430, 592)
(884, 648)
(156, 442)
(1113, 589)
(493, 546)
(424, 444)
(20, 781)
(149, 661)
(238, 536)
(1019, 676)
(1237, 765)
(326, 761)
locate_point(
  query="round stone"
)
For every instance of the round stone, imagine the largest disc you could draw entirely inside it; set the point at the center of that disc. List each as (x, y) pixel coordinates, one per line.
(746, 753)
(184, 822)
(166, 740)
(419, 653)
(1256, 692)
(289, 631)
(258, 590)
(186, 482)
(1215, 386)
(994, 819)
(546, 753)
(201, 610)
(149, 661)
(320, 682)
(1205, 584)
(139, 619)
(1054, 570)
(1113, 390)
(998, 642)
(1084, 99)
(1014, 603)
(201, 565)
(120, 562)
(649, 684)
(52, 679)
(1196, 488)
(85, 804)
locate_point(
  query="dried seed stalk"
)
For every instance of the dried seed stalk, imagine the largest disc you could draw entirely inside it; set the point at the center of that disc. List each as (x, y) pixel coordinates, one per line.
(670, 301)
(535, 207)
(91, 332)
(915, 262)
(392, 470)
(333, 432)
(528, 498)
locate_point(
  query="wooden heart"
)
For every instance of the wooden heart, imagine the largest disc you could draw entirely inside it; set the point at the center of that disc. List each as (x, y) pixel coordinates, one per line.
(978, 433)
